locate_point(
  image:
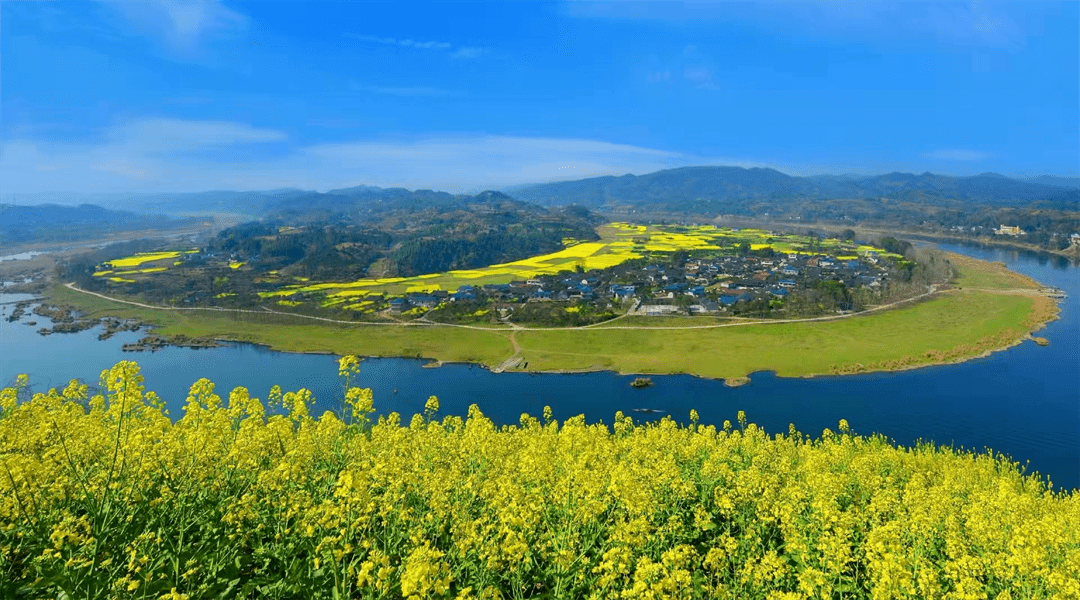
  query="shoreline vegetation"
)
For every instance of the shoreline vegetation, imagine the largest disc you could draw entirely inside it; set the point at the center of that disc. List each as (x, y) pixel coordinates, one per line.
(241, 497)
(987, 308)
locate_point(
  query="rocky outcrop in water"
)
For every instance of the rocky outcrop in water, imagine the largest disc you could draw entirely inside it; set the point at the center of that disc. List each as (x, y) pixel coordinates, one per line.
(153, 343)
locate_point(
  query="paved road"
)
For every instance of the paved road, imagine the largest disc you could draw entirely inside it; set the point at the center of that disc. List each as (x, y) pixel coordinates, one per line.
(513, 327)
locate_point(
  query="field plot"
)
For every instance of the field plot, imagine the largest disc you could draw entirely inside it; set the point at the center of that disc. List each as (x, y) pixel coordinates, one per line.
(116, 269)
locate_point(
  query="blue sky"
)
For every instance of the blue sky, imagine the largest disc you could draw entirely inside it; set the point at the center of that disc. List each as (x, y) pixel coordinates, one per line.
(190, 96)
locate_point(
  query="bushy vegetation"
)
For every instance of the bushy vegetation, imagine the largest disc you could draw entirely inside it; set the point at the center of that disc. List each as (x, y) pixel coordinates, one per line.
(107, 497)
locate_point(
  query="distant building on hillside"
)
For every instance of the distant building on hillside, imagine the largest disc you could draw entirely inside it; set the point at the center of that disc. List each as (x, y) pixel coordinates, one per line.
(1009, 230)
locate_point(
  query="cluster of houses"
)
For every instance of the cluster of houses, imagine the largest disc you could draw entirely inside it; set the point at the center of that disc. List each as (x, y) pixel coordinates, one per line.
(1013, 230)
(704, 285)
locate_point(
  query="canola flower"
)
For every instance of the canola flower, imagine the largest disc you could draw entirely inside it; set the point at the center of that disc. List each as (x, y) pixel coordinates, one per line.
(142, 257)
(106, 496)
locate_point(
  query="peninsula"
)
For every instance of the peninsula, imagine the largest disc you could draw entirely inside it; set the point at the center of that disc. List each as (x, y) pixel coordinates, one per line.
(709, 329)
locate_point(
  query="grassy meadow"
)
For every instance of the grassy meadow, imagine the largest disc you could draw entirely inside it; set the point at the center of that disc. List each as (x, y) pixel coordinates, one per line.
(294, 334)
(945, 328)
(986, 275)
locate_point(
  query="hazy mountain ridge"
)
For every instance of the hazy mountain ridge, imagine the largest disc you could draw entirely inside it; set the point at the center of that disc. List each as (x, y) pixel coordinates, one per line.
(22, 215)
(54, 222)
(675, 186)
(670, 186)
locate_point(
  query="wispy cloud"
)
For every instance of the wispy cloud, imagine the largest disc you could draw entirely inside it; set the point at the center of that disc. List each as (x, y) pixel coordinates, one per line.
(183, 24)
(189, 100)
(467, 52)
(172, 155)
(405, 43)
(401, 90)
(970, 22)
(454, 51)
(700, 77)
(176, 135)
(148, 154)
(955, 154)
(695, 68)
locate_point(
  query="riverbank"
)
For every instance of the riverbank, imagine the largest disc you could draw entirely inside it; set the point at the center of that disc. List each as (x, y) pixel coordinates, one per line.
(1072, 252)
(989, 308)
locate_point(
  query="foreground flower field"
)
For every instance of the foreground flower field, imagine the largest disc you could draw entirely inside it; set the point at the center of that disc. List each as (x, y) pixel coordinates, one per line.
(108, 497)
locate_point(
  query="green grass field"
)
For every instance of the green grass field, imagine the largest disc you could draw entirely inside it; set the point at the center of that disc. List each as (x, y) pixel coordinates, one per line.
(957, 324)
(985, 275)
(293, 334)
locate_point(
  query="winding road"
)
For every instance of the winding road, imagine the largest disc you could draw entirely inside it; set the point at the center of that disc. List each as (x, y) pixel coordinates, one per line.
(513, 327)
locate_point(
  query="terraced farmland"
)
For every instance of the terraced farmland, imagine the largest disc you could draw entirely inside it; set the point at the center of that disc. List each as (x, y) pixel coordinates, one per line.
(118, 270)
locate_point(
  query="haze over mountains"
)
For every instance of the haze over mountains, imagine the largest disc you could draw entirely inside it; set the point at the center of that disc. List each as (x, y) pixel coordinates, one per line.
(677, 186)
(679, 189)
(700, 190)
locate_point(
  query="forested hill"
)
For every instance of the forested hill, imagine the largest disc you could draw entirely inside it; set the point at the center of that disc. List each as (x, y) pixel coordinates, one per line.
(691, 188)
(401, 233)
(397, 208)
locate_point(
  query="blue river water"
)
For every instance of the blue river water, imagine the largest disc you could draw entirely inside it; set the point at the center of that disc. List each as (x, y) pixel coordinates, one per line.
(1023, 402)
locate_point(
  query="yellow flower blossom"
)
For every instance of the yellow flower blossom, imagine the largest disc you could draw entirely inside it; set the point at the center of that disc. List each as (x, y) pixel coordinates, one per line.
(107, 496)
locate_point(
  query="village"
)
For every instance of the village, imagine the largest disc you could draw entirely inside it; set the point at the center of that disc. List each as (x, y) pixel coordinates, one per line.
(701, 285)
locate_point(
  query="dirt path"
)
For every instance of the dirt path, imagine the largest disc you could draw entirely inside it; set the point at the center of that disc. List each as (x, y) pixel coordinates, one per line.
(1048, 292)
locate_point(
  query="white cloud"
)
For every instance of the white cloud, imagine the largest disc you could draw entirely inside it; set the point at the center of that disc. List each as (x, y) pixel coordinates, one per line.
(955, 154)
(461, 52)
(123, 168)
(171, 155)
(181, 23)
(469, 163)
(145, 154)
(176, 135)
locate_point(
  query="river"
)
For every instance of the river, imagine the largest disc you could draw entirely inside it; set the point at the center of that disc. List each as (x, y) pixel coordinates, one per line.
(1023, 402)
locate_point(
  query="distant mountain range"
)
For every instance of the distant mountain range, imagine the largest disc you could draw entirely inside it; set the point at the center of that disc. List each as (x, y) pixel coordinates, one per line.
(683, 189)
(53, 222)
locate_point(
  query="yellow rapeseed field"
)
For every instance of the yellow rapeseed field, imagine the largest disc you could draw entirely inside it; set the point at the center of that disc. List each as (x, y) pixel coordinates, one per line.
(140, 258)
(108, 497)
